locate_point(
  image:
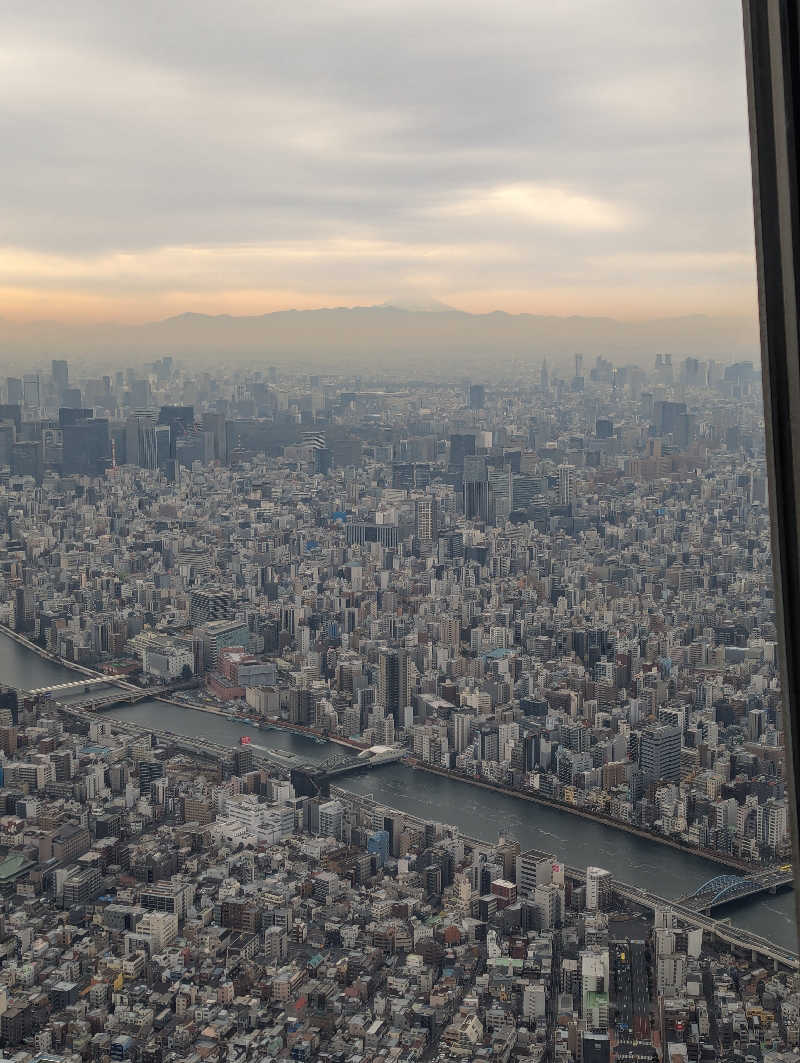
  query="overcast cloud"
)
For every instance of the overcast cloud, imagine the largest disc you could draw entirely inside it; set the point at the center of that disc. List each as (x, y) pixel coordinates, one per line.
(557, 157)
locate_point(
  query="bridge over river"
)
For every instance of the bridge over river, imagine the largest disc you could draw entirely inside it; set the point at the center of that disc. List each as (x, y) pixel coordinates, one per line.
(727, 888)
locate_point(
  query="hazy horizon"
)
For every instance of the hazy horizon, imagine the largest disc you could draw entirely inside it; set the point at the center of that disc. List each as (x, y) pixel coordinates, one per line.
(574, 162)
(381, 338)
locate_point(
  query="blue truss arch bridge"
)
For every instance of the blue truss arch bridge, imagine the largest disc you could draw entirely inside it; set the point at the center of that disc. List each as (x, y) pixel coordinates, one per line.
(726, 888)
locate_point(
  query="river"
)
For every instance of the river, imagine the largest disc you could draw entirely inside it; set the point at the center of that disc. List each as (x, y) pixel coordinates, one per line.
(477, 812)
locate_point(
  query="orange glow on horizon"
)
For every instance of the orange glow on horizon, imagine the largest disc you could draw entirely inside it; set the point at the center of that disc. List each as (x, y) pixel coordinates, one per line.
(31, 305)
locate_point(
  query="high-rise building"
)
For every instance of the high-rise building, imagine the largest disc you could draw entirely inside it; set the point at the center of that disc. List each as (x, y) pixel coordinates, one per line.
(331, 819)
(476, 489)
(426, 519)
(660, 753)
(140, 445)
(598, 888)
(179, 418)
(533, 870)
(12, 411)
(215, 423)
(149, 771)
(500, 494)
(594, 967)
(460, 447)
(30, 390)
(393, 694)
(26, 459)
(207, 603)
(60, 371)
(243, 760)
(596, 1048)
(7, 440)
(477, 397)
(566, 484)
(86, 447)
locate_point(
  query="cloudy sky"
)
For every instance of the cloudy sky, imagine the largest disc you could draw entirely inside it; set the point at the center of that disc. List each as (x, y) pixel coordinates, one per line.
(565, 157)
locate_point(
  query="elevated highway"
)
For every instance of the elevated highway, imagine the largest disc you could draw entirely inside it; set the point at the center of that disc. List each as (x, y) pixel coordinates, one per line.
(738, 940)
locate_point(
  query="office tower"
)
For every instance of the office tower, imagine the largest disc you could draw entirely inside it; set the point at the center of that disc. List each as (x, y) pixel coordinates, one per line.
(598, 888)
(9, 702)
(149, 771)
(7, 440)
(566, 484)
(477, 397)
(243, 760)
(476, 489)
(195, 445)
(451, 546)
(24, 608)
(684, 429)
(393, 694)
(533, 870)
(60, 371)
(27, 459)
(660, 753)
(215, 635)
(72, 398)
(319, 452)
(163, 441)
(594, 968)
(331, 819)
(500, 494)
(461, 446)
(666, 416)
(215, 424)
(140, 440)
(544, 376)
(426, 519)
(180, 420)
(139, 393)
(86, 447)
(14, 389)
(12, 411)
(596, 1048)
(30, 390)
(604, 428)
(476, 500)
(209, 604)
(70, 415)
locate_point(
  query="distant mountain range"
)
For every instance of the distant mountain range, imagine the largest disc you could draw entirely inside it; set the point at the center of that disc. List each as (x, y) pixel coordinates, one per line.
(423, 336)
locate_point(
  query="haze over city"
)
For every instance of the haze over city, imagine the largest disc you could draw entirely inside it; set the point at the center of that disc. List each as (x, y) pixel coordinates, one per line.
(394, 667)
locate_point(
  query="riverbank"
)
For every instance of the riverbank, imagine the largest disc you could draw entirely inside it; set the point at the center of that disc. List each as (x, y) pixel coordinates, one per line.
(263, 723)
(723, 859)
(53, 658)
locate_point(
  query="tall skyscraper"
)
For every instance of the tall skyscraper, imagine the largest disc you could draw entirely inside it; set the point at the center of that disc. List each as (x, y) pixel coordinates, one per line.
(566, 484)
(461, 445)
(476, 489)
(426, 519)
(60, 371)
(501, 493)
(86, 447)
(393, 692)
(141, 440)
(30, 390)
(477, 396)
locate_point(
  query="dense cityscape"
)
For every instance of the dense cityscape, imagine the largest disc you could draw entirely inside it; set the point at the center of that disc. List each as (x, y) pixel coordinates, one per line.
(554, 587)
